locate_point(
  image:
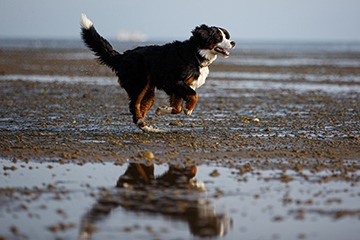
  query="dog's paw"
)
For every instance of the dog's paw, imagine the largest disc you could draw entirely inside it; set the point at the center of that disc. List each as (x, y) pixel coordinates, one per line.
(163, 110)
(151, 129)
(146, 128)
(188, 112)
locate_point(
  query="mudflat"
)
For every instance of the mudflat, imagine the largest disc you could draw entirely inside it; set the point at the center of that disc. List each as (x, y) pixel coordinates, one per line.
(274, 141)
(80, 119)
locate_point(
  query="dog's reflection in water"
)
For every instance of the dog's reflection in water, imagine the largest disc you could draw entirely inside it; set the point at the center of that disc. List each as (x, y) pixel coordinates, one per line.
(176, 194)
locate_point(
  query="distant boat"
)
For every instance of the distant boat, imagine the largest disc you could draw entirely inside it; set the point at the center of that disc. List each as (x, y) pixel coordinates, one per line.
(131, 36)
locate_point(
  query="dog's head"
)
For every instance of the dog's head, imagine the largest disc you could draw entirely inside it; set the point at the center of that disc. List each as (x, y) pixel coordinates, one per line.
(212, 41)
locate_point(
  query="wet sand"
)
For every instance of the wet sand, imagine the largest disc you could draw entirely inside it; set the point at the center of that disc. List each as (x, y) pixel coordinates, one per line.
(302, 130)
(91, 121)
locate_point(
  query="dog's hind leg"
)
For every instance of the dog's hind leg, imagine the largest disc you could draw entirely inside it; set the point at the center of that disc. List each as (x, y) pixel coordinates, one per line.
(139, 106)
(147, 101)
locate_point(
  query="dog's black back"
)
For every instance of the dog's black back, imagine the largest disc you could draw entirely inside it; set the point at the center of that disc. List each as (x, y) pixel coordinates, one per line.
(166, 66)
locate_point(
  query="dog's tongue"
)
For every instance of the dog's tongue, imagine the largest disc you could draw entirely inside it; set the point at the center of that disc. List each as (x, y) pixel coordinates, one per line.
(222, 51)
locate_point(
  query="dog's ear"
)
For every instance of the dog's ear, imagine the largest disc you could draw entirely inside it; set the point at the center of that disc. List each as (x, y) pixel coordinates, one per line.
(227, 34)
(201, 35)
(201, 31)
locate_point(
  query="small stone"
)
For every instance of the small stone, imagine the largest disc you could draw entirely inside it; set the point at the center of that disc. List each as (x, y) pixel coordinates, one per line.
(278, 218)
(176, 123)
(12, 168)
(215, 173)
(147, 155)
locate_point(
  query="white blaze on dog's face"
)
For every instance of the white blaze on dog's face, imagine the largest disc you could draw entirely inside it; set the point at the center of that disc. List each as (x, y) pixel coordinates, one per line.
(212, 41)
(226, 44)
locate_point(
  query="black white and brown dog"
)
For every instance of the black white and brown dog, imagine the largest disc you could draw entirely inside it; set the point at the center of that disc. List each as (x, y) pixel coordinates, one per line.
(178, 68)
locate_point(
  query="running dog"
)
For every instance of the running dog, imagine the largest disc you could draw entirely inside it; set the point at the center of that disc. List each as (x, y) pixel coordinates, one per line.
(178, 68)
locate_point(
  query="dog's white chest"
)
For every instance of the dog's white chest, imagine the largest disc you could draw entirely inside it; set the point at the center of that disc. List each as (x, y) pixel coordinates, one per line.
(204, 72)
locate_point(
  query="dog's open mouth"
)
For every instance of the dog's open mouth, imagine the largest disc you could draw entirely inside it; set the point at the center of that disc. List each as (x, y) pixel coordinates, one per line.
(222, 51)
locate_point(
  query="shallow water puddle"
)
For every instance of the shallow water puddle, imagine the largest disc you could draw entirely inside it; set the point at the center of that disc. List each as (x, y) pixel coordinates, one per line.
(229, 80)
(146, 201)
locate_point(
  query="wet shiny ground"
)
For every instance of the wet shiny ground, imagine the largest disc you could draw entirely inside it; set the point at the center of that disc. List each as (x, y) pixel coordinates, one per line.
(90, 122)
(274, 138)
(142, 200)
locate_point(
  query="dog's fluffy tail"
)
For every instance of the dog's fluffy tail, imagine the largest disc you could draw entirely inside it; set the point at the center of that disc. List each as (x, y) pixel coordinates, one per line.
(99, 45)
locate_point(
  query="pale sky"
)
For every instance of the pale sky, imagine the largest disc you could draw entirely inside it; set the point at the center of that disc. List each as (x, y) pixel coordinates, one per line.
(169, 19)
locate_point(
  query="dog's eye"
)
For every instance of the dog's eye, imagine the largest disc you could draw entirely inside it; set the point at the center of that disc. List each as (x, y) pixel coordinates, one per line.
(218, 37)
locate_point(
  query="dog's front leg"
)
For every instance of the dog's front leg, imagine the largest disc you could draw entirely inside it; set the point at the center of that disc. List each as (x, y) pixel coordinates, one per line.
(174, 108)
(183, 92)
(190, 102)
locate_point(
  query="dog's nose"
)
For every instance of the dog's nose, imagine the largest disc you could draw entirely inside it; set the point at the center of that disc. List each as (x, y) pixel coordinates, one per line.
(232, 43)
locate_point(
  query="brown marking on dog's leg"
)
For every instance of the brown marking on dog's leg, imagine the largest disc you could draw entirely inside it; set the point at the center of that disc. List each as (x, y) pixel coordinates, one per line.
(147, 101)
(174, 108)
(190, 103)
(176, 104)
(139, 110)
(138, 115)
